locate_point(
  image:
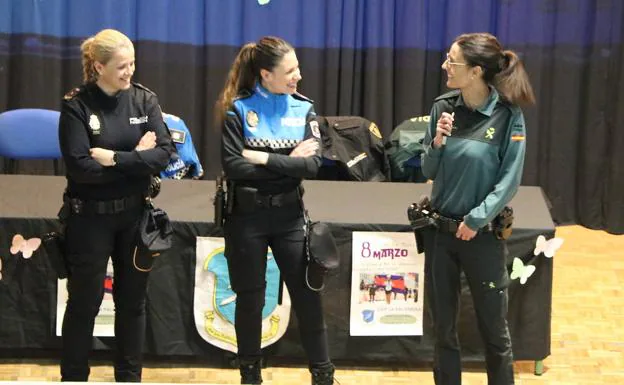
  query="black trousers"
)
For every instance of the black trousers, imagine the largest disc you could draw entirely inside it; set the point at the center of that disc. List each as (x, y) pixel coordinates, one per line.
(247, 237)
(483, 260)
(91, 239)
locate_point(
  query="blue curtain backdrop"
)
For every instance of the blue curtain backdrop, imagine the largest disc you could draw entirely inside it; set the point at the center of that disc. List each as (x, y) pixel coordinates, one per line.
(376, 58)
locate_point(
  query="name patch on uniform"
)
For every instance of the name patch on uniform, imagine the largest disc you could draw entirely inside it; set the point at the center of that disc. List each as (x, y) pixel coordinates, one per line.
(356, 160)
(315, 129)
(517, 138)
(94, 124)
(142, 119)
(293, 122)
(177, 136)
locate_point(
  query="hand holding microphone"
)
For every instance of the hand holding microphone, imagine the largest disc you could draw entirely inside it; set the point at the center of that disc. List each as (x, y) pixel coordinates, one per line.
(444, 128)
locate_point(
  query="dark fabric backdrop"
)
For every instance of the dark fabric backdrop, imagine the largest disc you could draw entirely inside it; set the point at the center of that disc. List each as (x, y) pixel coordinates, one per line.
(373, 58)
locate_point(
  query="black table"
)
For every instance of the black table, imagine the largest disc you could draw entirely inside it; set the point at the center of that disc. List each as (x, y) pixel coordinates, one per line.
(28, 205)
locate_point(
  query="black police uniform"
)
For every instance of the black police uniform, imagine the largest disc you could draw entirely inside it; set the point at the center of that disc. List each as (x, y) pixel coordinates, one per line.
(474, 175)
(106, 205)
(265, 211)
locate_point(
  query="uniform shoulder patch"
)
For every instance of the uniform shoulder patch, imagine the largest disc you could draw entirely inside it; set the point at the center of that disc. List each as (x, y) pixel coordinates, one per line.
(297, 95)
(448, 95)
(141, 86)
(374, 130)
(72, 93)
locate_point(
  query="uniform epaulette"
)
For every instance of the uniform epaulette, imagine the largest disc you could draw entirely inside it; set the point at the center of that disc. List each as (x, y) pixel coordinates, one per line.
(141, 86)
(448, 95)
(244, 94)
(297, 95)
(72, 93)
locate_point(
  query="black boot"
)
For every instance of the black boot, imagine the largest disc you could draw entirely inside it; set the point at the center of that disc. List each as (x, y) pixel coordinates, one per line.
(323, 375)
(250, 373)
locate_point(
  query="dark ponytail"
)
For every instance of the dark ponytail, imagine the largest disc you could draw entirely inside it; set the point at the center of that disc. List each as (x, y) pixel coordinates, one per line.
(501, 68)
(266, 54)
(241, 77)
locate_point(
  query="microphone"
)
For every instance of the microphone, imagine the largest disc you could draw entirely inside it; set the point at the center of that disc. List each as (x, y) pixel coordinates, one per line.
(452, 128)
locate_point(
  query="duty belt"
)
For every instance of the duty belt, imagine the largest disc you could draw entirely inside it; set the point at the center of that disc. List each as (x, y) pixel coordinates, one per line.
(450, 225)
(277, 200)
(114, 206)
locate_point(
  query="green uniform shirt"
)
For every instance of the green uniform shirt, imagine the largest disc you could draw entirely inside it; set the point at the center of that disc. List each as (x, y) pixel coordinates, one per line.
(479, 169)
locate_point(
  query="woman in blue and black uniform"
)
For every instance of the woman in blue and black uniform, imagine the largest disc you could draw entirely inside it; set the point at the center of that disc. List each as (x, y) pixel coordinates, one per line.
(270, 143)
(474, 153)
(113, 139)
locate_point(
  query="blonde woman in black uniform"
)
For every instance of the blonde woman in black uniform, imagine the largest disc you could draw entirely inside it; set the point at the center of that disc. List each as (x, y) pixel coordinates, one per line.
(475, 150)
(113, 139)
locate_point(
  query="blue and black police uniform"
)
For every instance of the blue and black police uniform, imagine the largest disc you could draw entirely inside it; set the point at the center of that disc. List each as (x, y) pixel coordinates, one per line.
(265, 211)
(105, 205)
(474, 176)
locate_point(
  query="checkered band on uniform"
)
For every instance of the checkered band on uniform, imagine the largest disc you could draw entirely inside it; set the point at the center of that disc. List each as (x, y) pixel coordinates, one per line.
(272, 143)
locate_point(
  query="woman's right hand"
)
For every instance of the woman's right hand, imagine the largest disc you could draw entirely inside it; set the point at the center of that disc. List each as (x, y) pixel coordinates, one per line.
(443, 128)
(305, 148)
(147, 142)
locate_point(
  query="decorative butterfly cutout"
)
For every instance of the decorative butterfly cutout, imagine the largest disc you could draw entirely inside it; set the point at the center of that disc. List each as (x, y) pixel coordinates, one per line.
(26, 246)
(263, 2)
(548, 247)
(520, 270)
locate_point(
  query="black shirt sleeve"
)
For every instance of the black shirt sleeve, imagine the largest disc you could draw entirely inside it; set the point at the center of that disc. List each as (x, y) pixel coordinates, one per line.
(299, 167)
(75, 145)
(232, 144)
(154, 160)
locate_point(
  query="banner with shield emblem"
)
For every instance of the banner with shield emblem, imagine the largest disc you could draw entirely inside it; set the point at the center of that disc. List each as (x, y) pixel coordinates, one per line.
(214, 300)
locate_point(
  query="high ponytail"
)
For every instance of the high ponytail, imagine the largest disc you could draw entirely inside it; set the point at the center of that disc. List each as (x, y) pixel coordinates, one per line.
(513, 82)
(241, 77)
(266, 54)
(501, 68)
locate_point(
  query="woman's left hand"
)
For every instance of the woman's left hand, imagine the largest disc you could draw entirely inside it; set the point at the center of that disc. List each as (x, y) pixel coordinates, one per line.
(102, 156)
(464, 232)
(256, 157)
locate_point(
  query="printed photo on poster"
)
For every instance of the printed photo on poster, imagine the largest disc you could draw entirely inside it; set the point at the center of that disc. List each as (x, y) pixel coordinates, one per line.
(387, 285)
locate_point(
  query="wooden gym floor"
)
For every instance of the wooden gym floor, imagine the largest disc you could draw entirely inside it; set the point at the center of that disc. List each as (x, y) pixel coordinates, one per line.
(587, 333)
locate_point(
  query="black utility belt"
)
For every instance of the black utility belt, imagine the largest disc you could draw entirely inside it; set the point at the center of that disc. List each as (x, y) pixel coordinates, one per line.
(248, 199)
(113, 206)
(450, 225)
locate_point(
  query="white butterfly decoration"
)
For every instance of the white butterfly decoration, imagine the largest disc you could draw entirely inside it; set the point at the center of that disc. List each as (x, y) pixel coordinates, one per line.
(548, 247)
(26, 246)
(520, 270)
(263, 2)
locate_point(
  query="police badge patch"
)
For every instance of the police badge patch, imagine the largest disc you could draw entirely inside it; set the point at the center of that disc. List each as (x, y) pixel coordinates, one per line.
(94, 124)
(315, 129)
(252, 118)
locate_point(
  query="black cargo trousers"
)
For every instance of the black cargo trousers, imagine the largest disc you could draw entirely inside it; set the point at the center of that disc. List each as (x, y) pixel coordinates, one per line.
(483, 261)
(91, 238)
(276, 222)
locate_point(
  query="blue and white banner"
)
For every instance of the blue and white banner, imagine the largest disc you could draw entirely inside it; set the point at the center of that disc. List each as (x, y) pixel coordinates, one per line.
(215, 302)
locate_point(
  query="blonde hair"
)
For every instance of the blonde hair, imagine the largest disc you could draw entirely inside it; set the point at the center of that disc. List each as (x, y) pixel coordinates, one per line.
(101, 48)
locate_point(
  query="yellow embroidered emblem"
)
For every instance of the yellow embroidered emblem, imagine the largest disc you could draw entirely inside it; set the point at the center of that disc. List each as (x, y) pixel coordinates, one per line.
(374, 130)
(489, 134)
